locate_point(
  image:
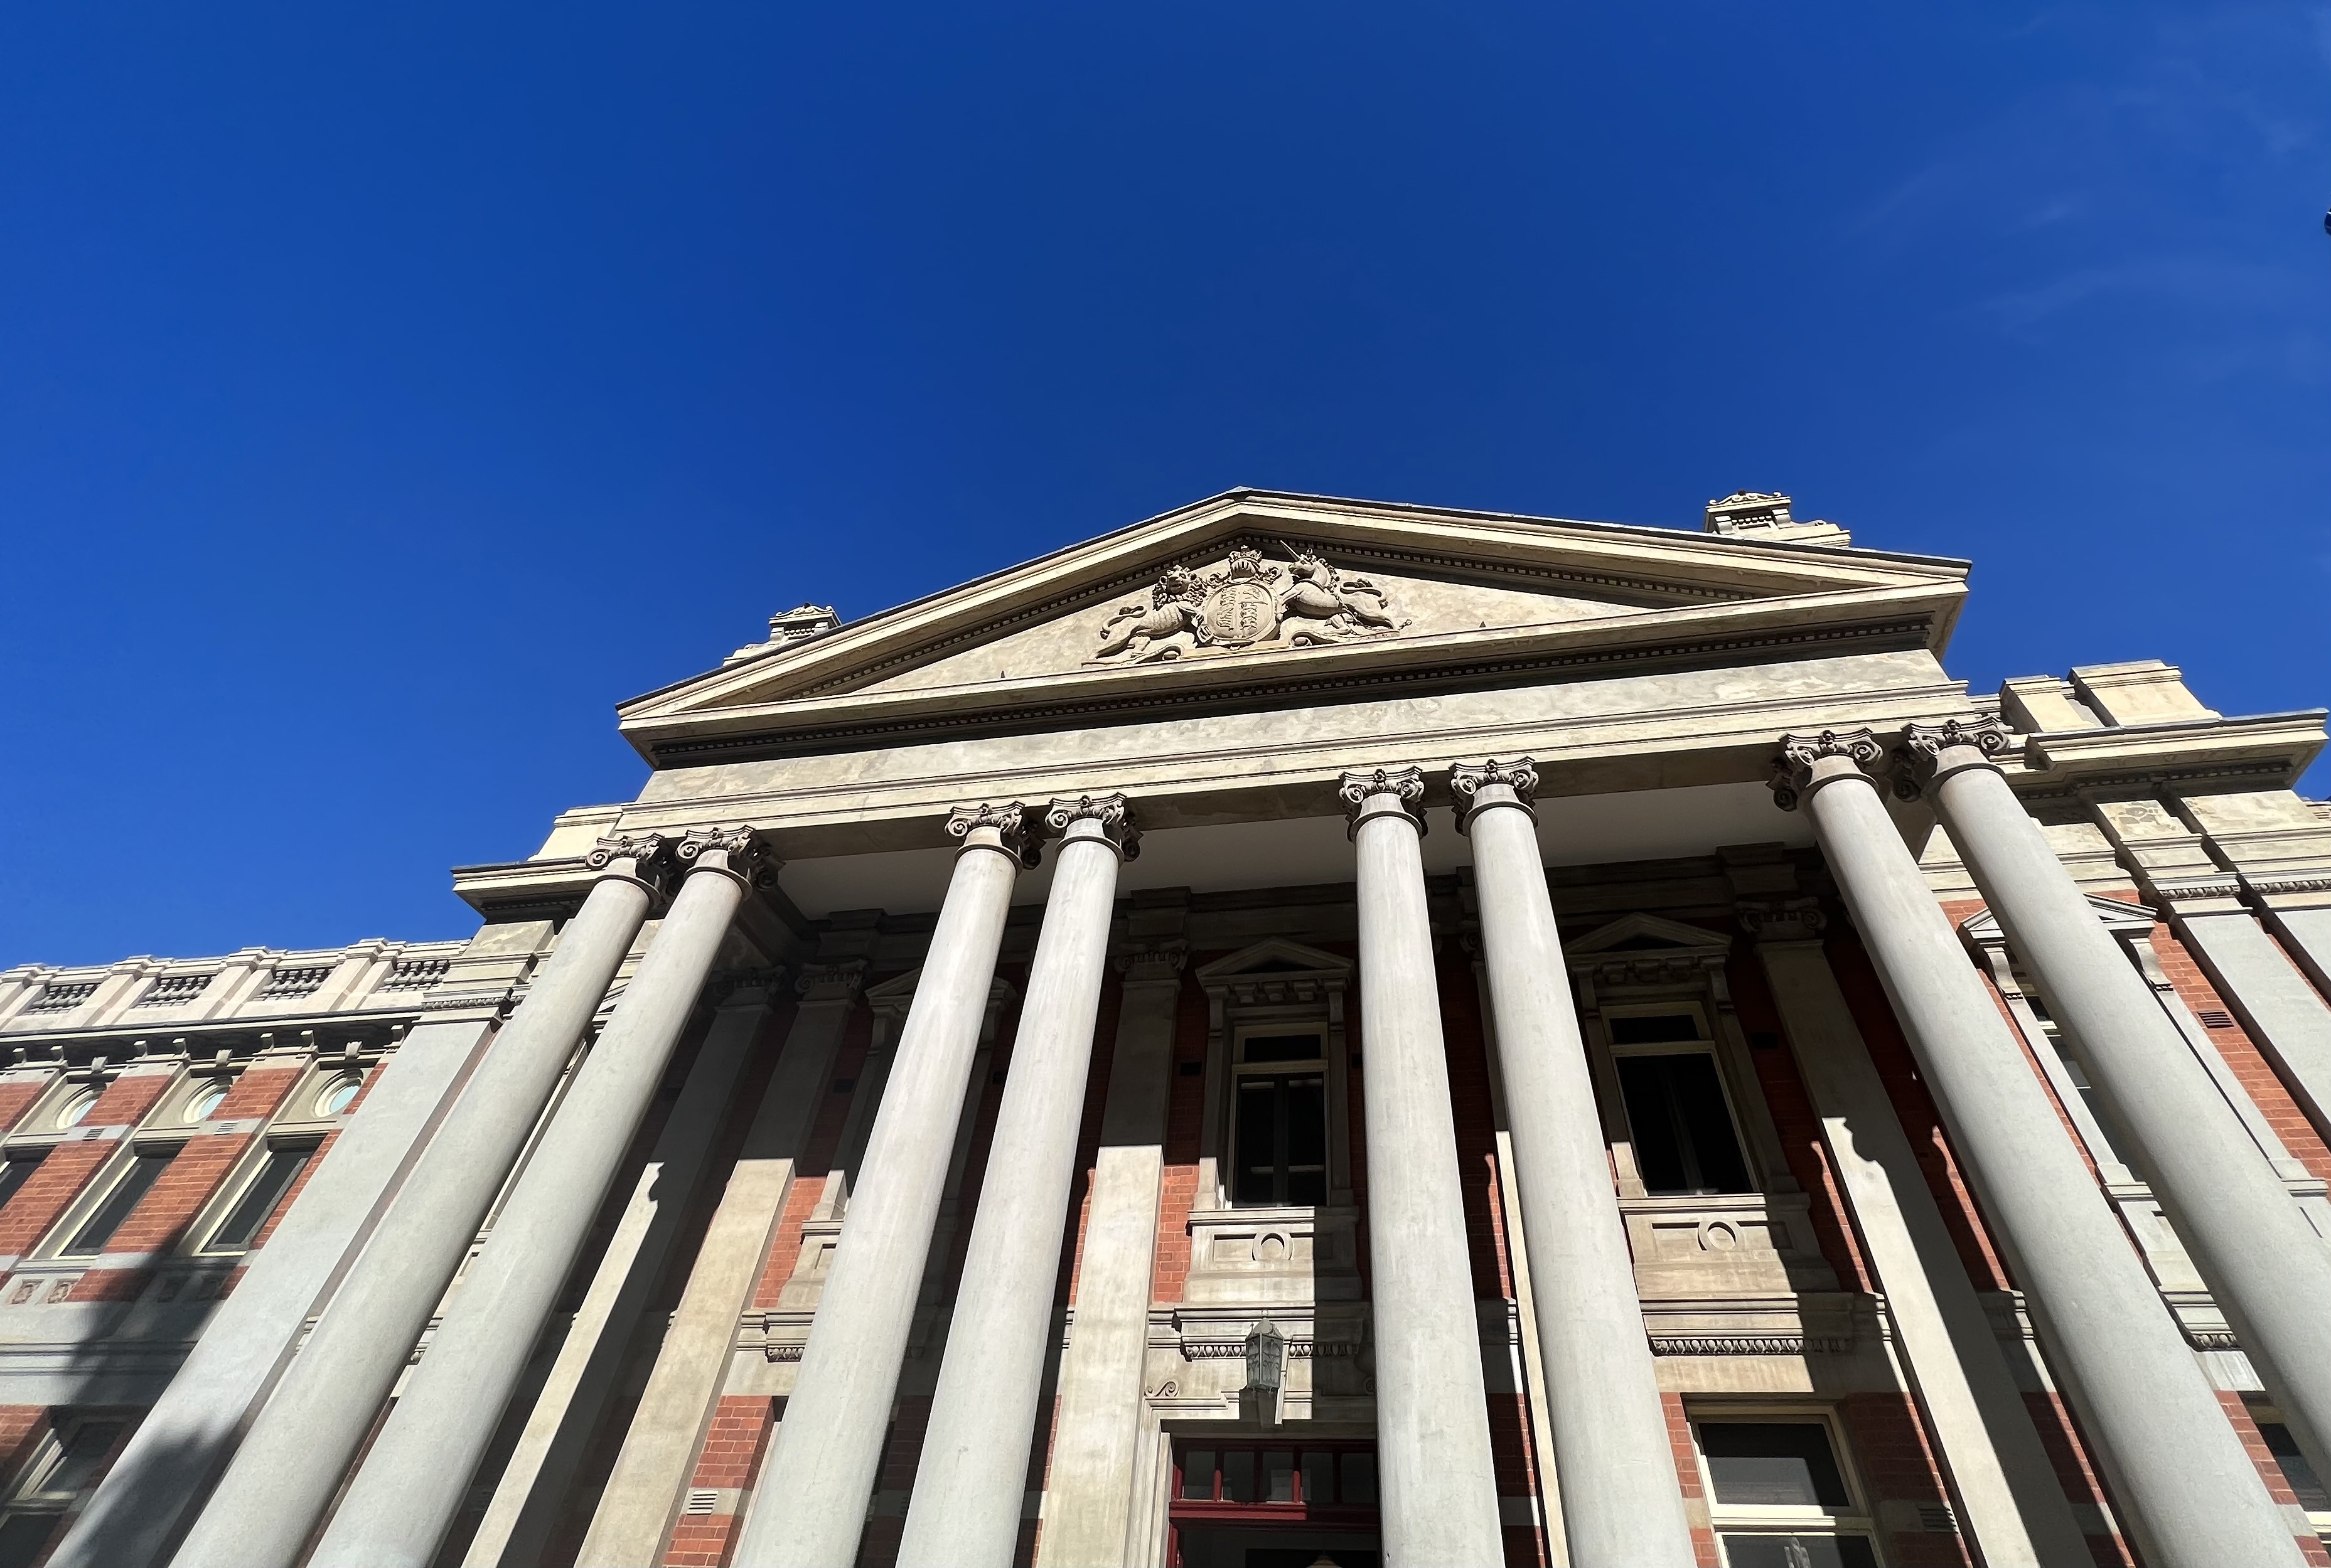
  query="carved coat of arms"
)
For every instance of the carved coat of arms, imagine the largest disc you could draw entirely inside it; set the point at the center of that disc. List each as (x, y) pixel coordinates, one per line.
(1247, 601)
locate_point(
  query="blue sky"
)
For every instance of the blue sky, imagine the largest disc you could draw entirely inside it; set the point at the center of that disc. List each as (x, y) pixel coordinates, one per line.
(385, 394)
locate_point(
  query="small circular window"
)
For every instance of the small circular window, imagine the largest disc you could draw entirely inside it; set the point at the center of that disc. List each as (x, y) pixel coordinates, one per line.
(337, 1095)
(204, 1102)
(71, 1113)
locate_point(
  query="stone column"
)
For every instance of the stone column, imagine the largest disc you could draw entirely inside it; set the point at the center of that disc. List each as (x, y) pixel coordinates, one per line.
(1432, 1426)
(973, 1471)
(292, 1462)
(1622, 1504)
(2011, 1504)
(2267, 1268)
(413, 1477)
(562, 1421)
(2185, 1490)
(810, 1503)
(642, 1497)
(1090, 1494)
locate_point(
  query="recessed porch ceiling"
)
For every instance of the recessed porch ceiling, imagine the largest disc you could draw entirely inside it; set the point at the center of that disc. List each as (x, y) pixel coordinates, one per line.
(1572, 831)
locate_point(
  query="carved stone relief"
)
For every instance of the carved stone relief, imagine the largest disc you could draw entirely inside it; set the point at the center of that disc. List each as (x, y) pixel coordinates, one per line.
(1247, 602)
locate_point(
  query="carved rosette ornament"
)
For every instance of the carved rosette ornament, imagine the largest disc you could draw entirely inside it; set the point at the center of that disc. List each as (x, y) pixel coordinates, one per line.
(642, 858)
(1017, 825)
(1792, 770)
(1466, 780)
(1919, 760)
(1404, 784)
(1114, 814)
(1245, 601)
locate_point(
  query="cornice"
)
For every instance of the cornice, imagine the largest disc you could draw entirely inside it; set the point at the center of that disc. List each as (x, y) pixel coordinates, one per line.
(1602, 648)
(2263, 751)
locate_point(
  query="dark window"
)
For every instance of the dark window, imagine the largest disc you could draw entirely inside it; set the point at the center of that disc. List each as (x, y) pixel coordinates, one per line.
(1684, 1141)
(1279, 1134)
(1663, 1028)
(259, 1200)
(14, 1173)
(1797, 1551)
(1773, 1465)
(24, 1537)
(2295, 1468)
(1331, 1476)
(106, 1219)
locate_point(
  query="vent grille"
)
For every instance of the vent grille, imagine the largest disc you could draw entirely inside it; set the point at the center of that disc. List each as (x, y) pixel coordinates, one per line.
(63, 998)
(1936, 1519)
(173, 989)
(416, 974)
(2213, 1018)
(702, 1501)
(294, 983)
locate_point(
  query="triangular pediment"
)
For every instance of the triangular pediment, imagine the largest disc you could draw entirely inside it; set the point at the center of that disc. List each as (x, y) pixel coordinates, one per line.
(1982, 928)
(1274, 955)
(1251, 591)
(1648, 934)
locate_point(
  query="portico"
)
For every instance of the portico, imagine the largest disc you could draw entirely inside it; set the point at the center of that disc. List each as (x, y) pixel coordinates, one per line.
(1432, 938)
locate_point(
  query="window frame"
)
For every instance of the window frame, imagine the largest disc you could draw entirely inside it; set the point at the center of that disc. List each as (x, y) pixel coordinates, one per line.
(1240, 1071)
(223, 1203)
(1857, 1519)
(1705, 1043)
(110, 1175)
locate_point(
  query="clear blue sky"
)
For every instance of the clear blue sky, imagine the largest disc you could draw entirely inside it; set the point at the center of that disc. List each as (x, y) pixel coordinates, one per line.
(386, 392)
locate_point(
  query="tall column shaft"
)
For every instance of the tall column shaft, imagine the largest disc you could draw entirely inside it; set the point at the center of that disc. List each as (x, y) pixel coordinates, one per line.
(642, 1497)
(1621, 1505)
(810, 1503)
(2267, 1268)
(292, 1462)
(413, 1477)
(1088, 1492)
(2184, 1487)
(1432, 1429)
(973, 1470)
(2011, 1504)
(562, 1420)
(189, 1434)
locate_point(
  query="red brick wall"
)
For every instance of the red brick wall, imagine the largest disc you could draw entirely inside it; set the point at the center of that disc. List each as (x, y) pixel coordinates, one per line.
(2246, 1428)
(816, 1160)
(1897, 1464)
(1185, 1119)
(731, 1457)
(160, 1220)
(1686, 1464)
(51, 1189)
(16, 1098)
(2249, 1065)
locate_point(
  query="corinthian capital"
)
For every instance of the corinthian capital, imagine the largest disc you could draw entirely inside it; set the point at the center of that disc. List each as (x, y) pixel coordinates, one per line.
(641, 858)
(1468, 780)
(731, 851)
(1919, 760)
(1404, 785)
(1792, 770)
(1111, 811)
(1014, 823)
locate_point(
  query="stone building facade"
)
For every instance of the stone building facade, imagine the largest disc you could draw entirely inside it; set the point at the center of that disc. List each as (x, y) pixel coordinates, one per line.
(1299, 1030)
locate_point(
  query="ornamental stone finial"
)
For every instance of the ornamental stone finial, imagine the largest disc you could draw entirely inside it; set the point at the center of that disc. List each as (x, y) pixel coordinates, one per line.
(1466, 780)
(1113, 813)
(1015, 822)
(1793, 769)
(1404, 784)
(649, 854)
(731, 851)
(1919, 760)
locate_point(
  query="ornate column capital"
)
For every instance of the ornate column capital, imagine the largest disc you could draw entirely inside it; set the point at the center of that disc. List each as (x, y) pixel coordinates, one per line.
(1918, 761)
(1795, 768)
(1113, 813)
(1018, 830)
(831, 981)
(1782, 917)
(1405, 785)
(731, 852)
(645, 859)
(1466, 781)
